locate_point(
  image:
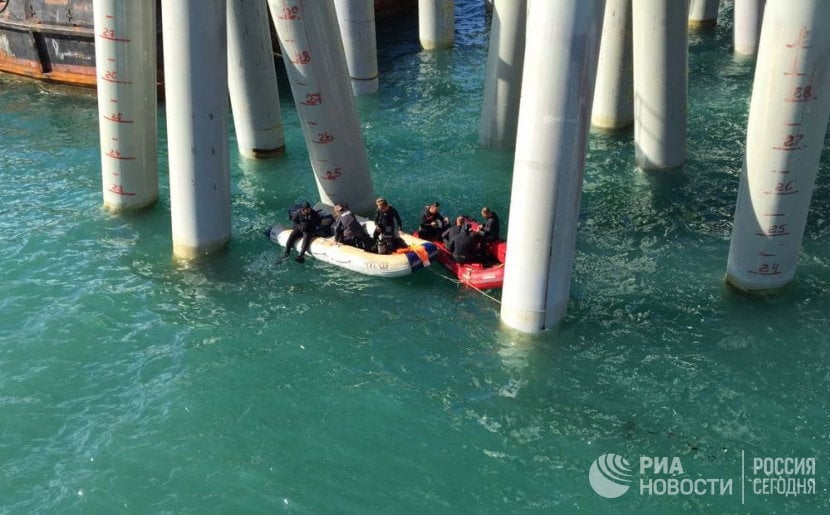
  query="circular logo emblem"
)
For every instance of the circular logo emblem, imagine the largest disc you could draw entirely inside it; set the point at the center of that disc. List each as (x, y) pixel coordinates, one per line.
(610, 475)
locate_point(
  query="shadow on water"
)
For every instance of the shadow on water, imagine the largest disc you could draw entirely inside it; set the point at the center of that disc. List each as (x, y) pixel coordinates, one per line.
(667, 187)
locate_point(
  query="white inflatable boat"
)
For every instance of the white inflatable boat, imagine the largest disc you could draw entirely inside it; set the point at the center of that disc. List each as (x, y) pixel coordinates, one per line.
(416, 255)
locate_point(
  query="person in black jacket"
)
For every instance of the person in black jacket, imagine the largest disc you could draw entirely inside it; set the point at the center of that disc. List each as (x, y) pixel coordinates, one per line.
(433, 223)
(449, 234)
(386, 217)
(348, 230)
(461, 243)
(305, 222)
(489, 230)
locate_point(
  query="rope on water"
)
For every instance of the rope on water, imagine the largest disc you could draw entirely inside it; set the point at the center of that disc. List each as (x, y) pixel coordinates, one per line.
(439, 274)
(458, 283)
(497, 301)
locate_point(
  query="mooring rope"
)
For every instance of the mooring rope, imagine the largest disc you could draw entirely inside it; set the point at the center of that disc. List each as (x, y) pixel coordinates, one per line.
(456, 282)
(497, 301)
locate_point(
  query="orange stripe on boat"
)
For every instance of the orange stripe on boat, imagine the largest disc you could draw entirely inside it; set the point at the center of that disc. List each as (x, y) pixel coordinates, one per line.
(419, 250)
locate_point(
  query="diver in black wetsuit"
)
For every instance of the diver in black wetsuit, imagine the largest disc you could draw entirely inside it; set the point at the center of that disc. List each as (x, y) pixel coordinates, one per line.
(433, 223)
(348, 230)
(305, 222)
(385, 218)
(460, 242)
(387, 227)
(489, 230)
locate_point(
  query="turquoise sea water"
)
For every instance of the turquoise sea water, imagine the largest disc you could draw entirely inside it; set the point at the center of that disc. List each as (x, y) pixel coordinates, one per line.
(130, 383)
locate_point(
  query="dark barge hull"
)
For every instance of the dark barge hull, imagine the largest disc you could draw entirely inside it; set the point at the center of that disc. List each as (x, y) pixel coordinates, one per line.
(48, 40)
(53, 40)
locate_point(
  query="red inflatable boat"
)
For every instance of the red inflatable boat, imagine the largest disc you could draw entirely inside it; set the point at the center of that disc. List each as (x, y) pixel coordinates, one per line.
(486, 273)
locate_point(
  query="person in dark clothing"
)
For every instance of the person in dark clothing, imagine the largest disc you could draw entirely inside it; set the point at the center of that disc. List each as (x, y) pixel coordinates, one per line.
(433, 223)
(347, 230)
(449, 234)
(386, 218)
(489, 230)
(462, 245)
(305, 222)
